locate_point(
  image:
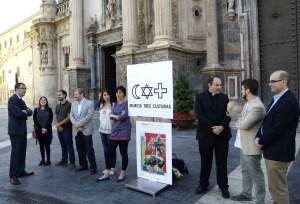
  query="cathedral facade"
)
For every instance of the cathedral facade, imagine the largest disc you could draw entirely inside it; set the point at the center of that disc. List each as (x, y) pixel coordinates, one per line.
(88, 44)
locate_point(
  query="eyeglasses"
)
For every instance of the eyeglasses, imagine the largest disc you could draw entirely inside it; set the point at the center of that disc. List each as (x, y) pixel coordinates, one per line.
(23, 88)
(274, 81)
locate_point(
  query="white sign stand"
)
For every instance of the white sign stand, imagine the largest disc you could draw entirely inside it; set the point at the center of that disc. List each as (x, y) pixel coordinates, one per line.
(149, 102)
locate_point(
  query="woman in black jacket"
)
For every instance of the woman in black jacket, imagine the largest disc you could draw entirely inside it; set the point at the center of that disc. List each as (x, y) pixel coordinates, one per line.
(42, 117)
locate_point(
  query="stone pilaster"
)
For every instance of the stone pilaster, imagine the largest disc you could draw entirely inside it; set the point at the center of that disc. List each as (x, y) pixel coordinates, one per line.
(163, 23)
(78, 72)
(59, 68)
(211, 35)
(130, 25)
(77, 33)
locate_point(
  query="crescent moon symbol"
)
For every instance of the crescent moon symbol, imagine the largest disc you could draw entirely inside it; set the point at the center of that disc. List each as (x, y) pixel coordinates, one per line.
(134, 92)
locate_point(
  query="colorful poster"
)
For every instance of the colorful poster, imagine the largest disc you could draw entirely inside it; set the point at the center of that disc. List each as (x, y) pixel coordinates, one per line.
(154, 151)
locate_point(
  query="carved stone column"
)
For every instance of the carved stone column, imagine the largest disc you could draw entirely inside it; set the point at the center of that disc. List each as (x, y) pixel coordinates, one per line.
(59, 71)
(211, 35)
(163, 23)
(163, 20)
(78, 72)
(77, 33)
(130, 26)
(93, 64)
(48, 51)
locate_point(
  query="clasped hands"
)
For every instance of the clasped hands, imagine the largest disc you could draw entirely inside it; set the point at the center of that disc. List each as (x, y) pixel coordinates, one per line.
(217, 129)
(78, 128)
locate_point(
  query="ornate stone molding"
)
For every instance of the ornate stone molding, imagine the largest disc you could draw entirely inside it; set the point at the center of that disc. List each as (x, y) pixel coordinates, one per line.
(141, 23)
(197, 13)
(230, 12)
(175, 18)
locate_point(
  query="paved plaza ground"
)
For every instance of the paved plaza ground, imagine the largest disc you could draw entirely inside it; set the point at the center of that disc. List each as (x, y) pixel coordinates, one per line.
(53, 184)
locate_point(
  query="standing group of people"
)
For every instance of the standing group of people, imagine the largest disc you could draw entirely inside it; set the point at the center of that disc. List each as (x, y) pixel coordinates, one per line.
(270, 133)
(69, 118)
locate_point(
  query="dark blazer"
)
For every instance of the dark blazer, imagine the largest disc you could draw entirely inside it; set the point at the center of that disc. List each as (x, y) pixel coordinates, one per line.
(16, 117)
(38, 127)
(206, 114)
(279, 129)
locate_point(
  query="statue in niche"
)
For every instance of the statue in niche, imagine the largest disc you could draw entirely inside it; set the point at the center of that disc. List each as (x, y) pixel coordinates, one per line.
(110, 14)
(44, 55)
(230, 12)
(93, 25)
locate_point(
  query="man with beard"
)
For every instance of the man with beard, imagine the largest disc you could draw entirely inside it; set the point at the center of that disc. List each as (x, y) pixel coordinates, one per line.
(248, 123)
(213, 134)
(64, 130)
(18, 113)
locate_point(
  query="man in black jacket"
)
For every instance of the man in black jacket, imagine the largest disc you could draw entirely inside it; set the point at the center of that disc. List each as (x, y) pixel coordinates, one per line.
(18, 113)
(213, 134)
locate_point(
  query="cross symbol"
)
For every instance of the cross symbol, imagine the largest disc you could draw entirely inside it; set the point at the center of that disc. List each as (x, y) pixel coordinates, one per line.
(160, 90)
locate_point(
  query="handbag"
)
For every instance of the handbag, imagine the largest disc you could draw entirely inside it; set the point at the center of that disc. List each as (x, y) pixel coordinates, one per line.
(34, 134)
(179, 164)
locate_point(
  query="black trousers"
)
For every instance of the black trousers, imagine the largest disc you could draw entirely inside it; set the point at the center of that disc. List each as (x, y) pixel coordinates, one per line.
(18, 155)
(44, 141)
(123, 146)
(219, 145)
(84, 145)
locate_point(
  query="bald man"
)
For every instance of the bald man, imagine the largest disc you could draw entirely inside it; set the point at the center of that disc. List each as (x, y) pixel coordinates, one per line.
(277, 135)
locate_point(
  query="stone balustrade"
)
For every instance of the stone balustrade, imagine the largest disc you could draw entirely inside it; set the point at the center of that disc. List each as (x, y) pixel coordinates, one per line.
(63, 7)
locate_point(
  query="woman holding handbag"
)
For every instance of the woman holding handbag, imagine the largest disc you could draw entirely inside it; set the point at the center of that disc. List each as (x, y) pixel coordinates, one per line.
(42, 117)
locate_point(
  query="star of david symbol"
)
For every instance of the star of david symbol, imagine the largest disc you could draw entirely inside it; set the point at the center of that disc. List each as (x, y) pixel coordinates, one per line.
(149, 91)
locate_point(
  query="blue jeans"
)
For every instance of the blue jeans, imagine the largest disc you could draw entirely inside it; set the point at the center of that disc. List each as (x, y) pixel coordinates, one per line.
(105, 143)
(66, 143)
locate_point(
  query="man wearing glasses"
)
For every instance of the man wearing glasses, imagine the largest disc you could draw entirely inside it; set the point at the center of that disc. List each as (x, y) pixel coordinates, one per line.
(18, 113)
(277, 135)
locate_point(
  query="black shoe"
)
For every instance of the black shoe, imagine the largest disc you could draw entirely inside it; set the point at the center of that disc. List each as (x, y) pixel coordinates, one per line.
(240, 197)
(42, 162)
(47, 163)
(200, 190)
(81, 169)
(225, 193)
(93, 171)
(14, 181)
(25, 173)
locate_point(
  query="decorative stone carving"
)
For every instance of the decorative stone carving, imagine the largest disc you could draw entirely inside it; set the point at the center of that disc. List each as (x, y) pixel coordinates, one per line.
(197, 13)
(44, 55)
(230, 12)
(110, 14)
(174, 18)
(93, 26)
(141, 23)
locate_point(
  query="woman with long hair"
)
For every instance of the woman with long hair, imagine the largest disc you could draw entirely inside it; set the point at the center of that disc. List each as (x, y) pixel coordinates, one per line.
(42, 117)
(120, 134)
(106, 106)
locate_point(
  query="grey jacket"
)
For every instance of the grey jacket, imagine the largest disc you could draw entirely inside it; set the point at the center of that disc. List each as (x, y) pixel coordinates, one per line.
(84, 118)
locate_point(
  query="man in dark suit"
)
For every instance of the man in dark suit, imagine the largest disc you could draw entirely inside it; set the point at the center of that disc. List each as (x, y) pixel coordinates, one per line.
(277, 135)
(213, 133)
(17, 130)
